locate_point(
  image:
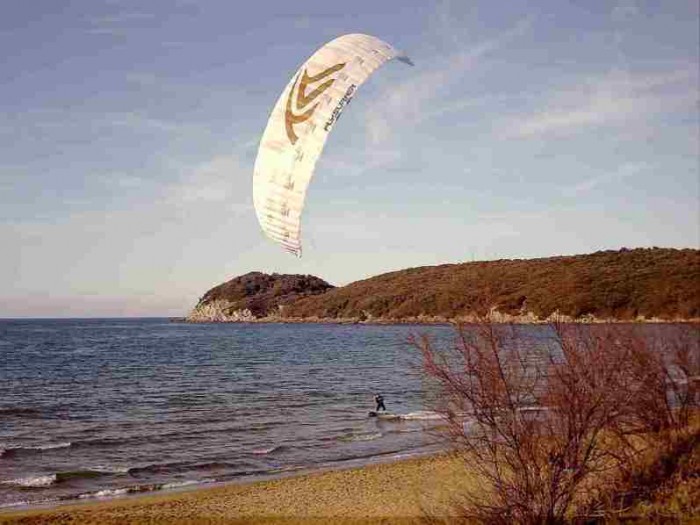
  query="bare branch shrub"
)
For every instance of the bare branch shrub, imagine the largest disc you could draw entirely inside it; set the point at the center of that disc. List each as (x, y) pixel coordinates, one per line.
(541, 420)
(663, 370)
(657, 428)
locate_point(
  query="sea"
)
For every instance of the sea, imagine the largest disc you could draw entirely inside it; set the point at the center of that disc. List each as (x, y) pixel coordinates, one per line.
(101, 408)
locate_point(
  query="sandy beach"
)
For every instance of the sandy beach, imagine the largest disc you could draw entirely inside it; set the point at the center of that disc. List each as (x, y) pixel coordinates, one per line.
(397, 492)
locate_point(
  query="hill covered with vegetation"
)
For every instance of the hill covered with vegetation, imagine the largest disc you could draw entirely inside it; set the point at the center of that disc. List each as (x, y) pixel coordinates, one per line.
(255, 295)
(627, 284)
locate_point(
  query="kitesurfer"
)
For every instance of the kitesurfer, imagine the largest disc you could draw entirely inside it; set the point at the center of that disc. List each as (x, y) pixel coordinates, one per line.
(380, 402)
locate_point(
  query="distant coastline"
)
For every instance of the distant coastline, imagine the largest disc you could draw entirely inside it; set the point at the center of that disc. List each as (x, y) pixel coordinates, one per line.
(501, 319)
(643, 285)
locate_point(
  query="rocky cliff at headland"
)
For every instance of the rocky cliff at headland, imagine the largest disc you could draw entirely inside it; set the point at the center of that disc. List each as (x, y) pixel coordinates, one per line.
(645, 284)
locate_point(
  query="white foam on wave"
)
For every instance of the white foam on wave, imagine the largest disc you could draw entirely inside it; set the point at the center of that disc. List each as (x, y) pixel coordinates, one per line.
(105, 493)
(112, 493)
(32, 481)
(263, 451)
(23, 503)
(103, 469)
(178, 484)
(407, 455)
(364, 437)
(50, 446)
(423, 415)
(12, 447)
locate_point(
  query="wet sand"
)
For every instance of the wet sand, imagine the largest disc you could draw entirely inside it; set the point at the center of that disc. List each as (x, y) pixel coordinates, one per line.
(398, 492)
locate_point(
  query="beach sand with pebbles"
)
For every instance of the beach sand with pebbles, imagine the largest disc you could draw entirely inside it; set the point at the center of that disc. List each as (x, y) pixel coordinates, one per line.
(396, 492)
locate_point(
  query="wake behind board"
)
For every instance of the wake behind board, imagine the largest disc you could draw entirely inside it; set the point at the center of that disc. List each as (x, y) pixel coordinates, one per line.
(383, 415)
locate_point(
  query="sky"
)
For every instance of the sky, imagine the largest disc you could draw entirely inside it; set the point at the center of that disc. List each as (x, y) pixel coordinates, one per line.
(129, 130)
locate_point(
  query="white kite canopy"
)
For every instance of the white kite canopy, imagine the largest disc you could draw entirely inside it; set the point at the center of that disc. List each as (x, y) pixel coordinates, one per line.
(299, 125)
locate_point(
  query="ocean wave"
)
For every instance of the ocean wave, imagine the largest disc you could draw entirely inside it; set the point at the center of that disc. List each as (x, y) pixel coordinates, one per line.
(186, 483)
(240, 474)
(61, 477)
(268, 450)
(363, 457)
(19, 412)
(406, 430)
(32, 481)
(161, 437)
(136, 489)
(107, 441)
(288, 468)
(106, 469)
(24, 503)
(178, 467)
(105, 493)
(370, 436)
(10, 450)
(77, 474)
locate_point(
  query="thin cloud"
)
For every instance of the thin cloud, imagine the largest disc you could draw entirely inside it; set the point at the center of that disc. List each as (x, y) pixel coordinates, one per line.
(250, 144)
(110, 31)
(372, 159)
(511, 217)
(117, 24)
(143, 79)
(220, 185)
(611, 99)
(222, 179)
(624, 10)
(407, 102)
(418, 98)
(141, 121)
(174, 44)
(130, 181)
(457, 106)
(120, 18)
(626, 170)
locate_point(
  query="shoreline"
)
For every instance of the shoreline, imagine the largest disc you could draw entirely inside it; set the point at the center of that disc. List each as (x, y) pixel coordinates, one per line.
(516, 320)
(148, 489)
(399, 489)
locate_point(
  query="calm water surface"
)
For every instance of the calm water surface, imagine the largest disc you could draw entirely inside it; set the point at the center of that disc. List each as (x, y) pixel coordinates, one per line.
(95, 408)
